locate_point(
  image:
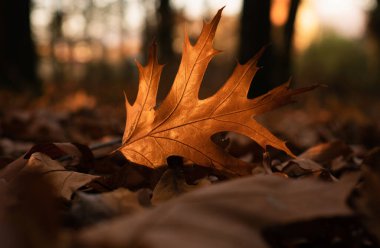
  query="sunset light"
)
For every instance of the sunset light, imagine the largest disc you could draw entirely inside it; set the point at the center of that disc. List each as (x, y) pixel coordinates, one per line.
(346, 18)
(315, 17)
(279, 12)
(114, 31)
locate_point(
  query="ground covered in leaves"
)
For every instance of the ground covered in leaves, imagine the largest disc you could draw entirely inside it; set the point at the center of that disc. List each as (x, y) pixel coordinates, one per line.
(63, 185)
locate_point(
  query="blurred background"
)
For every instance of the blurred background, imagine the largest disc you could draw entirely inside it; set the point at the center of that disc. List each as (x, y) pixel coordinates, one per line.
(80, 54)
(90, 45)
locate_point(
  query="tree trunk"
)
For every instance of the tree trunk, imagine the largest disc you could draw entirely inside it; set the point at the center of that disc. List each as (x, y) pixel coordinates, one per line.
(17, 54)
(284, 71)
(374, 32)
(165, 30)
(255, 34)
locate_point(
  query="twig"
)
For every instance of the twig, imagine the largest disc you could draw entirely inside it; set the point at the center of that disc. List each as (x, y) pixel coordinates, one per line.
(100, 145)
(267, 163)
(93, 147)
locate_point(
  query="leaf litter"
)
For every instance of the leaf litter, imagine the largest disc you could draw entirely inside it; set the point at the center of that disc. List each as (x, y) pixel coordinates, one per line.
(71, 195)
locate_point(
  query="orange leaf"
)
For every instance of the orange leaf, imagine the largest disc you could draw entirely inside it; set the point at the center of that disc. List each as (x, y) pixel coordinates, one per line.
(183, 124)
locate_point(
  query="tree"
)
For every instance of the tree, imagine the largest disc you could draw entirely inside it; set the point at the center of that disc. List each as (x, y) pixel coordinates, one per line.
(255, 34)
(18, 60)
(284, 65)
(161, 30)
(374, 27)
(165, 29)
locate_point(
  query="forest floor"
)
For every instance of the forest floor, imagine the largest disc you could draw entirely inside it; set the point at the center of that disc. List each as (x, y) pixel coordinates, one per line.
(64, 184)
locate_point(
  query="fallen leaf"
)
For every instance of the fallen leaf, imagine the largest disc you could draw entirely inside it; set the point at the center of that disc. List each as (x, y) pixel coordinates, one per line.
(230, 214)
(50, 149)
(91, 208)
(64, 182)
(324, 232)
(300, 167)
(11, 170)
(368, 202)
(129, 176)
(69, 155)
(173, 184)
(326, 152)
(38, 126)
(183, 124)
(29, 213)
(4, 161)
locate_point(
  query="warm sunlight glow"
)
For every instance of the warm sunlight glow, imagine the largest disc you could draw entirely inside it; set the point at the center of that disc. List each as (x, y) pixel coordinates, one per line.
(197, 9)
(135, 15)
(62, 52)
(119, 24)
(79, 100)
(279, 12)
(74, 26)
(347, 18)
(82, 52)
(40, 17)
(306, 26)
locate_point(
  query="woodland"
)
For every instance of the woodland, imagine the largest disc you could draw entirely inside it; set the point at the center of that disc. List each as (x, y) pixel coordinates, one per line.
(177, 143)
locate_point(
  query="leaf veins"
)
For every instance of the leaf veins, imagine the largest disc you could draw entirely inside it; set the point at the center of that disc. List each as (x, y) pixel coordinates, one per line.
(183, 124)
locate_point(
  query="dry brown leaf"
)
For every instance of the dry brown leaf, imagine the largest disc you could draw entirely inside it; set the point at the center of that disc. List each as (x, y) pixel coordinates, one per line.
(368, 203)
(326, 152)
(91, 208)
(300, 167)
(75, 157)
(29, 214)
(172, 185)
(183, 124)
(10, 171)
(64, 182)
(230, 214)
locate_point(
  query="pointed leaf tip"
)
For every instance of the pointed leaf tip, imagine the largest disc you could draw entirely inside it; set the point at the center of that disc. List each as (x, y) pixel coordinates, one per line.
(126, 99)
(216, 18)
(218, 14)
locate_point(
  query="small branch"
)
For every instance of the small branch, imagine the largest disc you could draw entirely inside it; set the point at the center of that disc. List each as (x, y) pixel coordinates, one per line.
(267, 163)
(94, 147)
(100, 145)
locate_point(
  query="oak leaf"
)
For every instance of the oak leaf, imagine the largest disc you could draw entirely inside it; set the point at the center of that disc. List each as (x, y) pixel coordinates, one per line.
(183, 124)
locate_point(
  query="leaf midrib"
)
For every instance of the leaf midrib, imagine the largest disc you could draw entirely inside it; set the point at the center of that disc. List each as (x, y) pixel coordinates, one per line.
(186, 85)
(150, 134)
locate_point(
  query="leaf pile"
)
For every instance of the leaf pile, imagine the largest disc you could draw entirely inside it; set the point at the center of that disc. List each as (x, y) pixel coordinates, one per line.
(301, 202)
(72, 195)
